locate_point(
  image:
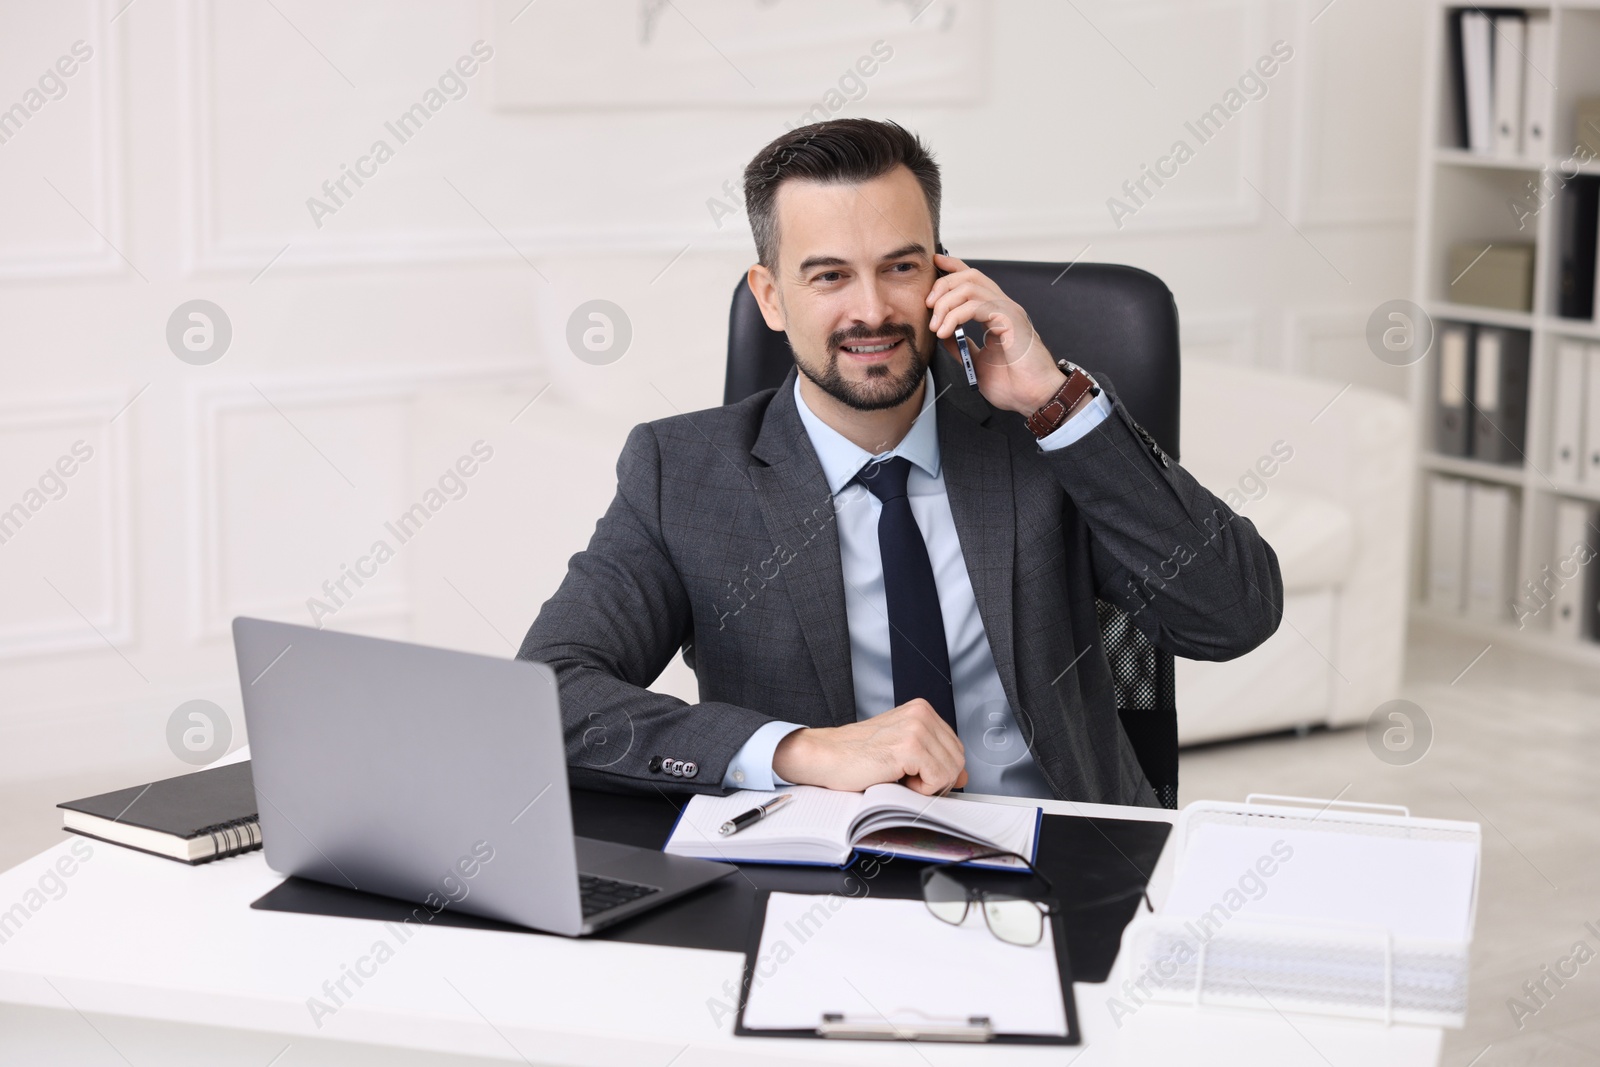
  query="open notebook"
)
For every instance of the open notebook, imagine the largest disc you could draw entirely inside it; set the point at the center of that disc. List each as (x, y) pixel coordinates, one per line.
(824, 826)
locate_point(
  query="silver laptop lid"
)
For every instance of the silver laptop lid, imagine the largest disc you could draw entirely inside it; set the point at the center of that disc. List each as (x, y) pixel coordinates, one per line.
(419, 773)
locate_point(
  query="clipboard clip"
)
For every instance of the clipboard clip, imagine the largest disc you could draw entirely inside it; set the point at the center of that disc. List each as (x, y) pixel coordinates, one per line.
(976, 1028)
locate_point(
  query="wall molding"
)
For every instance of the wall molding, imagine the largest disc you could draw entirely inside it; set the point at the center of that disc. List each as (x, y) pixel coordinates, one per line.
(204, 253)
(1303, 327)
(209, 405)
(111, 439)
(94, 258)
(1310, 204)
(1237, 330)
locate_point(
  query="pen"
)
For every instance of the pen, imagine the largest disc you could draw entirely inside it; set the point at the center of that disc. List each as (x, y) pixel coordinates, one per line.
(966, 357)
(754, 815)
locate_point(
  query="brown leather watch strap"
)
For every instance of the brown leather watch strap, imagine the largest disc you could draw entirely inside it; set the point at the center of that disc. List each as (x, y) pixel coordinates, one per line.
(1048, 419)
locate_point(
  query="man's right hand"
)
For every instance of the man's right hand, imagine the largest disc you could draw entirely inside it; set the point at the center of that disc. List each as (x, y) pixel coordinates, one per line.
(909, 744)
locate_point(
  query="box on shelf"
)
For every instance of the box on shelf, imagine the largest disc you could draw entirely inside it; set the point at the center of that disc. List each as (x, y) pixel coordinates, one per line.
(1586, 127)
(1485, 274)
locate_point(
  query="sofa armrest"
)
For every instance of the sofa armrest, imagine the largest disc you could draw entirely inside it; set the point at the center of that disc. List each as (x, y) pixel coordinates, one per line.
(1348, 444)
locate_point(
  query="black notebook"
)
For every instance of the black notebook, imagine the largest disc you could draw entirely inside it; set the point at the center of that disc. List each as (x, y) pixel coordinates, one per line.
(192, 818)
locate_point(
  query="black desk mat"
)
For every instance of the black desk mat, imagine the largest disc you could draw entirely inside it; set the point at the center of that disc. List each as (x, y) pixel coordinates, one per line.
(1089, 860)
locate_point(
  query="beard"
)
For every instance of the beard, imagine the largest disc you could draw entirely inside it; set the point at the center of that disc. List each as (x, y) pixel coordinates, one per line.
(883, 387)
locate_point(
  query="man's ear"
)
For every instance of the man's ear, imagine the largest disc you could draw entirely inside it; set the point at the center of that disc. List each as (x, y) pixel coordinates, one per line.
(765, 288)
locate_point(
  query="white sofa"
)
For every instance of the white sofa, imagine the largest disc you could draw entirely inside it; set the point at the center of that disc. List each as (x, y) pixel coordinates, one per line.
(1335, 512)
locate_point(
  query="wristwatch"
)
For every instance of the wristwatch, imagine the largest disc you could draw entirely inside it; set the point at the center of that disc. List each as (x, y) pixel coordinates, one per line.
(1048, 419)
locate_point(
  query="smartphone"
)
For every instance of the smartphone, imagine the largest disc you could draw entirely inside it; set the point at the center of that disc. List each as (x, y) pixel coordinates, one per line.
(960, 335)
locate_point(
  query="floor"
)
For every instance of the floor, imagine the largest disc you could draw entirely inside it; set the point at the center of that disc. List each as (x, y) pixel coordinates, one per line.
(1515, 747)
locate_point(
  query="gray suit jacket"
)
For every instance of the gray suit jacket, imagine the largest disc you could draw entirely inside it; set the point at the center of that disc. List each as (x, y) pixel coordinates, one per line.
(721, 542)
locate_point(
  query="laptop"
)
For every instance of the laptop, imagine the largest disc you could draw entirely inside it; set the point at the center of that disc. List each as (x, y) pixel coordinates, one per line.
(432, 776)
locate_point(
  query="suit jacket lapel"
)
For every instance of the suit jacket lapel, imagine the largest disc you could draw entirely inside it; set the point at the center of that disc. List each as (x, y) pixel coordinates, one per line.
(976, 462)
(798, 511)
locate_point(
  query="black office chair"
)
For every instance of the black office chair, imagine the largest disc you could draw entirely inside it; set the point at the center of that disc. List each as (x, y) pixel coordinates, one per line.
(1105, 317)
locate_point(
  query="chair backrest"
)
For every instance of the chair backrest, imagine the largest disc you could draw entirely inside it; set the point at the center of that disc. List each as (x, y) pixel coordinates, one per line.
(1111, 319)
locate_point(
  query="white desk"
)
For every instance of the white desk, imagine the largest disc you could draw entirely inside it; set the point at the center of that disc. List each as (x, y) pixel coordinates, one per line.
(168, 964)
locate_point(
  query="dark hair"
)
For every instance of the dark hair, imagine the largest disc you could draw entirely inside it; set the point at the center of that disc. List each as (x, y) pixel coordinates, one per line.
(837, 150)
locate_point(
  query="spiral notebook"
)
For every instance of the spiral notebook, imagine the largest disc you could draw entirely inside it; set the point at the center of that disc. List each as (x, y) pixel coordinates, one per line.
(192, 818)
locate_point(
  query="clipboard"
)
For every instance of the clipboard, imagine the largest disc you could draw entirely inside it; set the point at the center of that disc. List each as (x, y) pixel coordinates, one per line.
(916, 1026)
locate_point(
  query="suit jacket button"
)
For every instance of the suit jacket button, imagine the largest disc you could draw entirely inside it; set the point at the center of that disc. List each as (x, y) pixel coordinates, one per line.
(677, 768)
(655, 764)
(690, 770)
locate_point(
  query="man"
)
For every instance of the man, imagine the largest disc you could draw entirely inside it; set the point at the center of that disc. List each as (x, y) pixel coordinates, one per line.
(876, 574)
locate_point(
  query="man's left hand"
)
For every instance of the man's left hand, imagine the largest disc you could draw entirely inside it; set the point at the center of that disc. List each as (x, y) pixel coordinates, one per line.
(1015, 370)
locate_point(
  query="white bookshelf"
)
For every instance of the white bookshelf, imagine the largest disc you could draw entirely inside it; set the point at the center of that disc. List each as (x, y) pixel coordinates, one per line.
(1465, 196)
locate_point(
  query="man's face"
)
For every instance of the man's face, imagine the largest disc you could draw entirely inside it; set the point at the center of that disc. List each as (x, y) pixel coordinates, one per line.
(855, 263)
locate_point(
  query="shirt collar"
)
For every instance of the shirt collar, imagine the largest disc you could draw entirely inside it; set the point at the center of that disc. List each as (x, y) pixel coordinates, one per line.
(842, 459)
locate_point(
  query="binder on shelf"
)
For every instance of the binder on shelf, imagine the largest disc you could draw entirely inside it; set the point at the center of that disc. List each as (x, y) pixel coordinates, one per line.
(1590, 622)
(1566, 431)
(1368, 912)
(1576, 225)
(1477, 100)
(1590, 460)
(1510, 44)
(1500, 394)
(1447, 541)
(1452, 412)
(1568, 572)
(1538, 88)
(1458, 80)
(1492, 516)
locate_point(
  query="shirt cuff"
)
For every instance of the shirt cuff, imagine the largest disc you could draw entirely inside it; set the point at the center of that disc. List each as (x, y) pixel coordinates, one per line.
(1088, 417)
(751, 766)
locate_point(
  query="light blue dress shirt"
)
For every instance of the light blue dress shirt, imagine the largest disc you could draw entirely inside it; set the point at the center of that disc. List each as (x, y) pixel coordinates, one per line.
(998, 760)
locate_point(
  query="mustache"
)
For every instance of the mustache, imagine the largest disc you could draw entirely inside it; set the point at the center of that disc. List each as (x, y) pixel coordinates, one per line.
(859, 332)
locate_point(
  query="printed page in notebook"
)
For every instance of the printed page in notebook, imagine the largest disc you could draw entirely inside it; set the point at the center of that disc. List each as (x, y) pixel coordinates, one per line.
(1006, 826)
(812, 828)
(873, 958)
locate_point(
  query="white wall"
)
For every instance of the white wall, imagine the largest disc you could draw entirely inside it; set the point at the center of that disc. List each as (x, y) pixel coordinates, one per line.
(578, 164)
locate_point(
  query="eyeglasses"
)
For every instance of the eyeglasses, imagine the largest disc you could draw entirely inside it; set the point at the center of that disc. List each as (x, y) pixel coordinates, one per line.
(1014, 917)
(949, 892)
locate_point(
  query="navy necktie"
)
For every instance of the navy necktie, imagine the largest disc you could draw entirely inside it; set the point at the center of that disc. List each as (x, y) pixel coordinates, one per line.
(918, 657)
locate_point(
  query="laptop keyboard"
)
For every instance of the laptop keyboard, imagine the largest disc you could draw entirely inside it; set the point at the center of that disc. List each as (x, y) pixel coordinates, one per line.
(603, 894)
